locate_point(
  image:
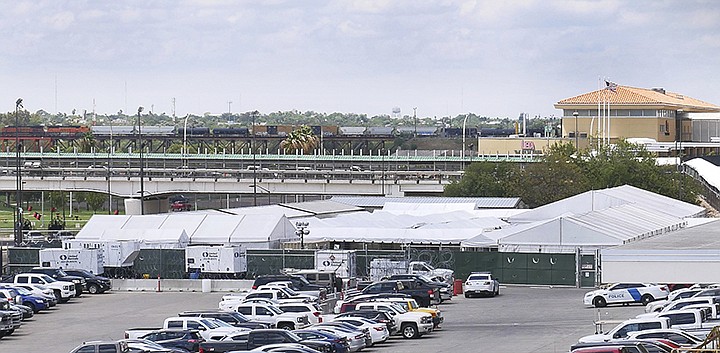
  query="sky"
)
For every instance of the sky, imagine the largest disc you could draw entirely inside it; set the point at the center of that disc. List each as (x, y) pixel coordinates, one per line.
(443, 57)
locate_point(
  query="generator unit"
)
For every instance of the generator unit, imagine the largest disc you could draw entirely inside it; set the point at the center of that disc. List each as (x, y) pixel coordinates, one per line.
(216, 259)
(115, 253)
(342, 262)
(84, 259)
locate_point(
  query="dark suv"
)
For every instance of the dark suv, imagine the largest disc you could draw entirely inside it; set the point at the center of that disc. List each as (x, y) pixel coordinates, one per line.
(424, 294)
(232, 318)
(188, 340)
(60, 275)
(299, 283)
(94, 284)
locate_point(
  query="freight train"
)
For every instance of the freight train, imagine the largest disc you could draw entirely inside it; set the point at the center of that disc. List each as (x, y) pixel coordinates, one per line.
(72, 131)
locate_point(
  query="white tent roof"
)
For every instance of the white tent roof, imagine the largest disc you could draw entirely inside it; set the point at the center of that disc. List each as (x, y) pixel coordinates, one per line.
(707, 170)
(386, 227)
(597, 200)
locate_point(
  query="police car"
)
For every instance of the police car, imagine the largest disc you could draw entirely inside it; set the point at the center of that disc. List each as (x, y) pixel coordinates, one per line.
(623, 293)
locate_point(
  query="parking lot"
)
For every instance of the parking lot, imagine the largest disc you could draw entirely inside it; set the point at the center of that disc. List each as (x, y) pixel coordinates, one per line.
(521, 319)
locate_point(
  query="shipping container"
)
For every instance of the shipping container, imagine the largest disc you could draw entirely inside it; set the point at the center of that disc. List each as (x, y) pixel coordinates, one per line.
(85, 259)
(215, 259)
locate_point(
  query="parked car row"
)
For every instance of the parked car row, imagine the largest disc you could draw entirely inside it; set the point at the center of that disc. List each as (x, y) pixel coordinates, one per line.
(25, 294)
(680, 320)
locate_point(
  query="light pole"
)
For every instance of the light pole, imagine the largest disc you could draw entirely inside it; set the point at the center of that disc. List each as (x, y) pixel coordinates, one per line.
(184, 151)
(252, 144)
(415, 119)
(109, 168)
(575, 114)
(142, 168)
(18, 176)
(263, 189)
(463, 140)
(302, 231)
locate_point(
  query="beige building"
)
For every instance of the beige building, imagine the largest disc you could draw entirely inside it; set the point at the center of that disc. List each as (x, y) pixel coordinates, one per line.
(630, 112)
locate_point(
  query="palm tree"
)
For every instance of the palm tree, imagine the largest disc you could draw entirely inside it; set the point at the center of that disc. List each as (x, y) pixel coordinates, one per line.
(301, 139)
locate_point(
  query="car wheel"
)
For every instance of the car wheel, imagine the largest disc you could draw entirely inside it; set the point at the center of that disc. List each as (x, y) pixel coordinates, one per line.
(467, 295)
(31, 306)
(286, 327)
(58, 296)
(93, 289)
(599, 302)
(409, 331)
(646, 299)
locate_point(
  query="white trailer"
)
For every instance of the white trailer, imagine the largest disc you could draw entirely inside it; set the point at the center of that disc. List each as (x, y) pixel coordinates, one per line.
(85, 259)
(342, 262)
(216, 259)
(115, 253)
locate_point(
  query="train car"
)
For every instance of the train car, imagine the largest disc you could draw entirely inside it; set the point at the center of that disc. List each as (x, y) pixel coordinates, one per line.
(496, 132)
(193, 131)
(458, 132)
(381, 131)
(67, 130)
(231, 131)
(150, 130)
(108, 130)
(32, 130)
(352, 131)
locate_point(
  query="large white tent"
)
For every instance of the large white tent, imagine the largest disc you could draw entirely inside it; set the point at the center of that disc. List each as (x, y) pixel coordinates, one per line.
(590, 221)
(386, 227)
(177, 230)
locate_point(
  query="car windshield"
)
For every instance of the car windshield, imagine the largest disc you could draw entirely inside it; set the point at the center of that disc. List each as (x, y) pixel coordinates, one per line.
(479, 278)
(62, 273)
(289, 291)
(210, 323)
(426, 278)
(48, 279)
(239, 317)
(144, 345)
(221, 323)
(274, 309)
(302, 279)
(399, 308)
(413, 304)
(23, 291)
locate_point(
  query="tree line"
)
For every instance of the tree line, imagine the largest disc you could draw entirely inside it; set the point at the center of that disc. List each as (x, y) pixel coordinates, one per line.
(565, 172)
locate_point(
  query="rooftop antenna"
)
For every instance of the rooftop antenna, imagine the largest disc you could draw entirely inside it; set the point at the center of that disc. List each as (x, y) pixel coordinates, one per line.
(173, 109)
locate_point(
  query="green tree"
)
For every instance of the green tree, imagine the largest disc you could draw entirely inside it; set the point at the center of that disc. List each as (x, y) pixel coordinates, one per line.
(301, 139)
(95, 200)
(485, 179)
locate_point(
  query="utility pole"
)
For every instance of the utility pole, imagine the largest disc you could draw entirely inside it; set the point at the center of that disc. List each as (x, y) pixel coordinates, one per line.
(142, 167)
(18, 177)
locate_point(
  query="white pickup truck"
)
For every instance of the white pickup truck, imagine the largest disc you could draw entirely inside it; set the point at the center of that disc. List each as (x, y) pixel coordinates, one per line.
(411, 324)
(621, 330)
(63, 290)
(678, 305)
(270, 315)
(280, 295)
(207, 327)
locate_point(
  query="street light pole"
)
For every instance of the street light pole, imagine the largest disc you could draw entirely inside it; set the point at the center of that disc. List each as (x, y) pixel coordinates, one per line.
(463, 140)
(575, 114)
(302, 231)
(254, 168)
(18, 176)
(142, 167)
(184, 151)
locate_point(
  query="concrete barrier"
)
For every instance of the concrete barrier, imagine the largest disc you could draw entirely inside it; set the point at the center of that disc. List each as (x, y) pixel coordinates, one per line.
(180, 285)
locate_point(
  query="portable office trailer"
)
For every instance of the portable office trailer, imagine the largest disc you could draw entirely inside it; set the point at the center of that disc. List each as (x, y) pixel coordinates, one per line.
(216, 259)
(342, 262)
(85, 259)
(115, 253)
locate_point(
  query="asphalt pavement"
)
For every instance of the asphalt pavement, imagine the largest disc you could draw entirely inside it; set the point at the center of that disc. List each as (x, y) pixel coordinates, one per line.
(520, 319)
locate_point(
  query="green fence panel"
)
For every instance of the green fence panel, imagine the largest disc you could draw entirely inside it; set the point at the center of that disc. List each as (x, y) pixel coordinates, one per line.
(172, 263)
(468, 262)
(538, 276)
(273, 261)
(23, 256)
(563, 277)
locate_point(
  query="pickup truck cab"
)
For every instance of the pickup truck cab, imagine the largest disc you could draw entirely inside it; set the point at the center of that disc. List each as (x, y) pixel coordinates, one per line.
(411, 324)
(257, 338)
(208, 328)
(410, 304)
(279, 295)
(273, 316)
(621, 330)
(424, 294)
(60, 275)
(233, 318)
(677, 294)
(445, 288)
(622, 293)
(63, 290)
(678, 305)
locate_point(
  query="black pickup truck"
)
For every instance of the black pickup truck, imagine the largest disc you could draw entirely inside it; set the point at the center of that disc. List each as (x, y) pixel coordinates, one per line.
(249, 340)
(424, 294)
